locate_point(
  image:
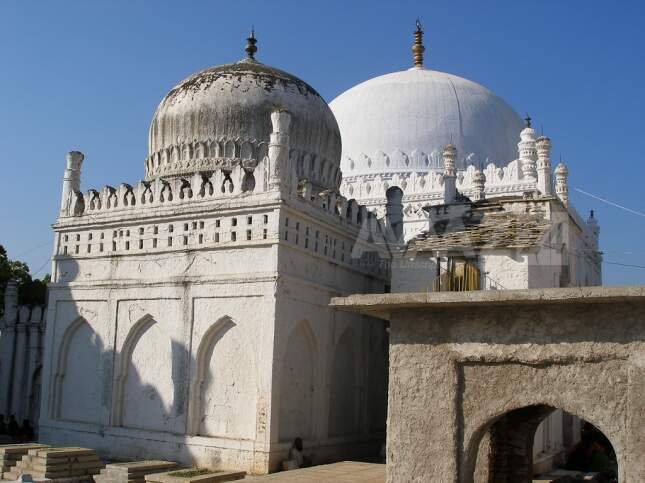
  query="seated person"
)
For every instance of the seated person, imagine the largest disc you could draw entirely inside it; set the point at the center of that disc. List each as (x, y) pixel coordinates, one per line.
(297, 459)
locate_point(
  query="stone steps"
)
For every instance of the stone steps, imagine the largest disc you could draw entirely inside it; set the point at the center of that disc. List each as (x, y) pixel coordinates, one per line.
(11, 454)
(56, 463)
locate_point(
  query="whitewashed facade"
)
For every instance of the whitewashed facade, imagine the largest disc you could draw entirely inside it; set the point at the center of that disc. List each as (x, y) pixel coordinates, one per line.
(188, 314)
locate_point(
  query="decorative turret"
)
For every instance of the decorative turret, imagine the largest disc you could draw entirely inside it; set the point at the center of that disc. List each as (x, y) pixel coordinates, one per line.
(562, 183)
(71, 182)
(527, 150)
(479, 184)
(279, 150)
(251, 48)
(417, 48)
(594, 230)
(449, 175)
(544, 182)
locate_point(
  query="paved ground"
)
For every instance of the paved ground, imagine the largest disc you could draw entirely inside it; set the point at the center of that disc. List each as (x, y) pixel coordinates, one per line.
(345, 472)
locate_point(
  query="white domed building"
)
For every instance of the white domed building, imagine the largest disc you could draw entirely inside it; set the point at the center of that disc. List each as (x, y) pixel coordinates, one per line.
(188, 316)
(394, 129)
(468, 191)
(188, 312)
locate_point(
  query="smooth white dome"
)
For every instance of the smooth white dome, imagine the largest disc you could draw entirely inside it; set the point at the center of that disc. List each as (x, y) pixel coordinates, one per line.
(401, 121)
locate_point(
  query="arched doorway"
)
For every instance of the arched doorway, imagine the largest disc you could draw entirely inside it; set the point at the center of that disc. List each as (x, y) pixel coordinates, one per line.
(505, 448)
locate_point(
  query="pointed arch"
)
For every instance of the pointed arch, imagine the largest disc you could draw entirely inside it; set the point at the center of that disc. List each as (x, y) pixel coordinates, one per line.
(503, 443)
(123, 363)
(81, 344)
(298, 383)
(224, 389)
(219, 328)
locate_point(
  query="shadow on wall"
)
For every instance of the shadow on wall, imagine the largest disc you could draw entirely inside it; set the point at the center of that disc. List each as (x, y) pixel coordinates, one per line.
(152, 384)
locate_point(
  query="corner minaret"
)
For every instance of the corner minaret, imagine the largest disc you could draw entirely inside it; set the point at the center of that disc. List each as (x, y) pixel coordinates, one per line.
(544, 181)
(449, 174)
(417, 47)
(594, 230)
(479, 185)
(562, 183)
(71, 181)
(279, 150)
(528, 153)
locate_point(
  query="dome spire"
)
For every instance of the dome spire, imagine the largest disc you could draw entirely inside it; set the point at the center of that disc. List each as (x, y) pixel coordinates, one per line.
(417, 48)
(250, 48)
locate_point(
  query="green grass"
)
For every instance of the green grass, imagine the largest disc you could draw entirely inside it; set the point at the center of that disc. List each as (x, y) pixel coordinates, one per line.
(191, 473)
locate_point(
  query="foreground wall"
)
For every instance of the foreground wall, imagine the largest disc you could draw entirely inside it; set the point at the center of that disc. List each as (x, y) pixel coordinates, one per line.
(461, 363)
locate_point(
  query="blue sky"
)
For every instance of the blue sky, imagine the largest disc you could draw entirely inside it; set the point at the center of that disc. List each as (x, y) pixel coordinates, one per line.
(88, 75)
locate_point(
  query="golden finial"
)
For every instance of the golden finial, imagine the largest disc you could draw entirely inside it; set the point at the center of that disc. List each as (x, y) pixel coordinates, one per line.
(251, 49)
(417, 48)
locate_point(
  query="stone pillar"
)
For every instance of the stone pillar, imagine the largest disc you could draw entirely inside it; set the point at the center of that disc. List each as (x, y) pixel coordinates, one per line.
(33, 361)
(544, 181)
(528, 152)
(71, 181)
(279, 150)
(19, 359)
(449, 174)
(7, 345)
(562, 183)
(479, 185)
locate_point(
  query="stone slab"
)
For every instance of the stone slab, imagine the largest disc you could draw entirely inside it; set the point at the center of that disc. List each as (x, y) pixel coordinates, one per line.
(380, 305)
(61, 452)
(63, 467)
(344, 472)
(142, 466)
(7, 450)
(75, 479)
(105, 479)
(216, 477)
(133, 471)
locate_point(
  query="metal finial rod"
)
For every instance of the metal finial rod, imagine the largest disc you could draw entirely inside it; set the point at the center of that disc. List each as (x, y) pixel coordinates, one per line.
(251, 49)
(417, 48)
(528, 120)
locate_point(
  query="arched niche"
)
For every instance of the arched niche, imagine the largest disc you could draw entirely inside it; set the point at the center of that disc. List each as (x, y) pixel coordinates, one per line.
(144, 387)
(224, 390)
(77, 392)
(343, 388)
(297, 388)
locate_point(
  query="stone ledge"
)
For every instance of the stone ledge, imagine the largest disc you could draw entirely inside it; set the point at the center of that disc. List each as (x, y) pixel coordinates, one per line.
(214, 477)
(380, 305)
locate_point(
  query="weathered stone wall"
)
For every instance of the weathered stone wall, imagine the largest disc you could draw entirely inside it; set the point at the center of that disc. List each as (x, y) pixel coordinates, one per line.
(461, 361)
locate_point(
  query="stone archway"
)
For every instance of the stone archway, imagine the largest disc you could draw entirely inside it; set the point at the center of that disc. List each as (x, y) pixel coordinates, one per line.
(505, 452)
(462, 363)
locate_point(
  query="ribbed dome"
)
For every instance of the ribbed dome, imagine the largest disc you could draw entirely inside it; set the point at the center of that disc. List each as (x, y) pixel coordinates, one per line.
(401, 121)
(222, 115)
